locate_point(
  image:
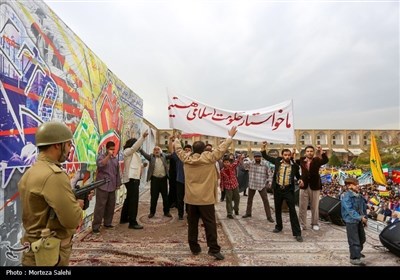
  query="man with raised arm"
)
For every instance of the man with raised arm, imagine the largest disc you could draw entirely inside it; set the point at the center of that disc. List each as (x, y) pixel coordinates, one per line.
(283, 184)
(201, 191)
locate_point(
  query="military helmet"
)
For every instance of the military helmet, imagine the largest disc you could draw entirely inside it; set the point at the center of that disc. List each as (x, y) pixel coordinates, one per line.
(52, 133)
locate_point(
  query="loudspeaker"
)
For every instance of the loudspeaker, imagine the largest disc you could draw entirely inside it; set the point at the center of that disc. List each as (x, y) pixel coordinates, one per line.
(390, 238)
(330, 209)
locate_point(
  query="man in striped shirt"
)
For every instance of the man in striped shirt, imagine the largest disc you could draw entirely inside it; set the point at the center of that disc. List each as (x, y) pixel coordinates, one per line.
(258, 180)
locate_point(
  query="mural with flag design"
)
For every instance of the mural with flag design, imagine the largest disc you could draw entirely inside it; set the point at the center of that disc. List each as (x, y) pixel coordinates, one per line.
(48, 73)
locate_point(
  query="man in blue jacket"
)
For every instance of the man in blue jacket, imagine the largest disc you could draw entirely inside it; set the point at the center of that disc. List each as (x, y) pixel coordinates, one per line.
(354, 213)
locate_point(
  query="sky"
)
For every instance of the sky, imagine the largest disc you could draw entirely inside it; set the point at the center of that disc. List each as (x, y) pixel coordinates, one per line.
(337, 60)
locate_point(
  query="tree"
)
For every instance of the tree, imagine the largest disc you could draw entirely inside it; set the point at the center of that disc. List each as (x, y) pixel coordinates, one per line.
(389, 155)
(334, 160)
(363, 160)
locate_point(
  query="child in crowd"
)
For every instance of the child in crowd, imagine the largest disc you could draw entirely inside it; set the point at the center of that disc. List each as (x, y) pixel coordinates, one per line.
(354, 213)
(229, 184)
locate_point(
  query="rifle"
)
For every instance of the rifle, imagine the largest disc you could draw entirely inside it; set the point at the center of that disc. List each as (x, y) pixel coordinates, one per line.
(83, 192)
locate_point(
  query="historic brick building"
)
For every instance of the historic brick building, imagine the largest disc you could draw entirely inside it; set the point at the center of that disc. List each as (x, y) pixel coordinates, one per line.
(346, 144)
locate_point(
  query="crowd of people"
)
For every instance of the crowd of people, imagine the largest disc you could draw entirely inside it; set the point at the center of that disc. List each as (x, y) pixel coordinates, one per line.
(189, 177)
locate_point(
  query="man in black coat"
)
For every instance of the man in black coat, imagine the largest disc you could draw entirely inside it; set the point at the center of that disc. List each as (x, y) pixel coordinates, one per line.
(157, 174)
(283, 184)
(310, 185)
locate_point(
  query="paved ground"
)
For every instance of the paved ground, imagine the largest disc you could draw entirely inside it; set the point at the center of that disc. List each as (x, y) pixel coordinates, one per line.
(256, 245)
(244, 242)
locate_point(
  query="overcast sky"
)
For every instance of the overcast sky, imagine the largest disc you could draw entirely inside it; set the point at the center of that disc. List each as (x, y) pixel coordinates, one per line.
(338, 61)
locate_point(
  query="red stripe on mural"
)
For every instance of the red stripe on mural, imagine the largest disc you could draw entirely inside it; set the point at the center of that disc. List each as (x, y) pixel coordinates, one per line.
(70, 109)
(60, 57)
(60, 82)
(10, 200)
(11, 132)
(18, 90)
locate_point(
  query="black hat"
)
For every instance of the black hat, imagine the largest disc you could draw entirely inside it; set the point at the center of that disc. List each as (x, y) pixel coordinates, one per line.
(351, 180)
(257, 154)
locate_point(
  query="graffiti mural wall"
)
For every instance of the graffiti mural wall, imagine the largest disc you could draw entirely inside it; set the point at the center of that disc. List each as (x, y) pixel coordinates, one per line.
(48, 73)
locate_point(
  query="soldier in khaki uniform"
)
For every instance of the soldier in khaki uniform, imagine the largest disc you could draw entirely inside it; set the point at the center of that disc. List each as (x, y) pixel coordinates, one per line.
(46, 195)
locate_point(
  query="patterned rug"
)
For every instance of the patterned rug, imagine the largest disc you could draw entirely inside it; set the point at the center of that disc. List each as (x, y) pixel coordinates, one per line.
(162, 242)
(245, 243)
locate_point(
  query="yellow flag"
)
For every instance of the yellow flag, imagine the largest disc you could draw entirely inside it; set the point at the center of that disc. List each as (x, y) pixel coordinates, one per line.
(374, 200)
(385, 193)
(376, 164)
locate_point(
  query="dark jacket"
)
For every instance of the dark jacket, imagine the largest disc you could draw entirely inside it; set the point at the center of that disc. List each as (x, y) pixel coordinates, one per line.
(390, 221)
(152, 162)
(278, 162)
(353, 207)
(311, 177)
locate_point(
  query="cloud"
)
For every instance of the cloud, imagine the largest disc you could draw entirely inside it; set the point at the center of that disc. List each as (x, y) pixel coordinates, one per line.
(338, 61)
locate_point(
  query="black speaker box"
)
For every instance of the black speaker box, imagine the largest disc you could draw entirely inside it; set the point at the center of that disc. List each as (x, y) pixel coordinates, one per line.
(330, 210)
(390, 238)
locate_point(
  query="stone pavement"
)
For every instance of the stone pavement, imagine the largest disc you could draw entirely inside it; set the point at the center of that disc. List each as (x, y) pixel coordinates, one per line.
(255, 244)
(246, 242)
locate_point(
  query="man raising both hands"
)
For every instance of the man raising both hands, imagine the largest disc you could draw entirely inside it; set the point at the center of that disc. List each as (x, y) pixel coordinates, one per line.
(283, 183)
(201, 191)
(310, 185)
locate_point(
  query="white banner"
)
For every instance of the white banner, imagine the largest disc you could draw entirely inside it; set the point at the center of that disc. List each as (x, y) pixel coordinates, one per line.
(273, 124)
(381, 188)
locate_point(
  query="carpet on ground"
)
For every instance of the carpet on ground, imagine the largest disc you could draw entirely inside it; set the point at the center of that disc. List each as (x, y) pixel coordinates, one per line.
(162, 242)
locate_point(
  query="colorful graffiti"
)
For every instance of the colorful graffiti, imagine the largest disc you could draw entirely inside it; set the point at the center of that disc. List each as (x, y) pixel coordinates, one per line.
(48, 73)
